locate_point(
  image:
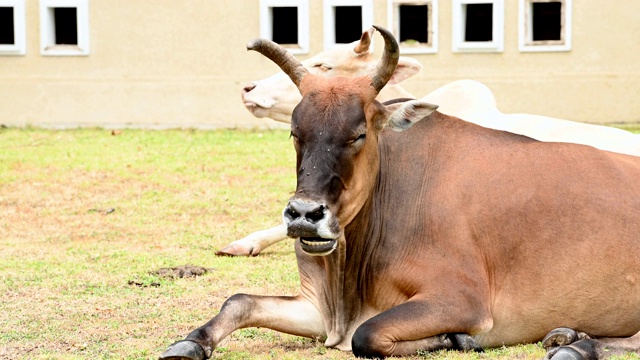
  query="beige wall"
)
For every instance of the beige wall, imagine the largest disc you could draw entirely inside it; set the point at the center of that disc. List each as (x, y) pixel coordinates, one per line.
(597, 81)
(164, 63)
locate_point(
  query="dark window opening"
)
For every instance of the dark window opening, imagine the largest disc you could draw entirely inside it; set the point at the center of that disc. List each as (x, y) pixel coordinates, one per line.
(7, 36)
(285, 25)
(479, 22)
(547, 20)
(66, 26)
(414, 23)
(348, 24)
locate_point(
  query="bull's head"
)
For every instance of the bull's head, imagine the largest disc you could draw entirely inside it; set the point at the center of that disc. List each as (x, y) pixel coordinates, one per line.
(335, 130)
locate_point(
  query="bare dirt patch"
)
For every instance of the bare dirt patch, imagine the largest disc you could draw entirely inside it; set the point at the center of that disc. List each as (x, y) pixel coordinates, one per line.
(184, 271)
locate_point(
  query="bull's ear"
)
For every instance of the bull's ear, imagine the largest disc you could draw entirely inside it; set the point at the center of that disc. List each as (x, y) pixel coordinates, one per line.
(407, 67)
(403, 115)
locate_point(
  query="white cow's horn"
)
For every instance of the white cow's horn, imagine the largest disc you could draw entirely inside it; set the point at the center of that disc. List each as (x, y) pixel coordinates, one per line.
(276, 53)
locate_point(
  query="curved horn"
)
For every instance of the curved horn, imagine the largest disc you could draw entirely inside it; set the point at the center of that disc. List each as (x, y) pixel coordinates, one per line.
(281, 57)
(389, 61)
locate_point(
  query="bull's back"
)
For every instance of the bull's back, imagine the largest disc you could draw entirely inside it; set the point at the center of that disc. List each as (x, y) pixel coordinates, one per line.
(556, 225)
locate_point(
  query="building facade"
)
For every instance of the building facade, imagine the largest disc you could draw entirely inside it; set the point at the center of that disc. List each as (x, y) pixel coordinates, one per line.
(163, 64)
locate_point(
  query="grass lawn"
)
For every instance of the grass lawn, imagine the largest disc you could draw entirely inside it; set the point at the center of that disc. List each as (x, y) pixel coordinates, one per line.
(87, 216)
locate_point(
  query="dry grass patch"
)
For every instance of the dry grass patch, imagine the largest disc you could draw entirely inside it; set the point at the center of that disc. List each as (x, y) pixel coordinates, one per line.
(83, 213)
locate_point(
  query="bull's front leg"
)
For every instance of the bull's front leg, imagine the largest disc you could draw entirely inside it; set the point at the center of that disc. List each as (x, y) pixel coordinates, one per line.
(419, 325)
(291, 315)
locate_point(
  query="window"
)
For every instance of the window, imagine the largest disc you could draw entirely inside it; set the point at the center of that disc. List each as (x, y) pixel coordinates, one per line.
(64, 27)
(478, 25)
(285, 25)
(12, 27)
(348, 23)
(545, 25)
(345, 20)
(415, 25)
(286, 22)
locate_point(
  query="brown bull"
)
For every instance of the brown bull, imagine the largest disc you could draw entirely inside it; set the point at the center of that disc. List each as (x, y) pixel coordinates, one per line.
(448, 235)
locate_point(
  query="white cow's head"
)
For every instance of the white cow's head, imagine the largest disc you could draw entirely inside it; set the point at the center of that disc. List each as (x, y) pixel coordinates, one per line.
(276, 96)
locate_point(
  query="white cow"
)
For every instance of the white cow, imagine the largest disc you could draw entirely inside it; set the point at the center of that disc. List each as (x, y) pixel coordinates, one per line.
(470, 100)
(276, 96)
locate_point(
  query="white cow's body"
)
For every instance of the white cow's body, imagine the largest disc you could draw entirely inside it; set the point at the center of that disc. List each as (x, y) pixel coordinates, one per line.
(474, 102)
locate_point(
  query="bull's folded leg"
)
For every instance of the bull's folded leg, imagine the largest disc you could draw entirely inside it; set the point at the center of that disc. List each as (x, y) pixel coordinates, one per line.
(586, 348)
(291, 315)
(417, 326)
(252, 244)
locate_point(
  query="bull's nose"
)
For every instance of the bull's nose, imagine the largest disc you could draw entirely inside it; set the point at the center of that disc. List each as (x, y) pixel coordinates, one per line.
(247, 88)
(309, 211)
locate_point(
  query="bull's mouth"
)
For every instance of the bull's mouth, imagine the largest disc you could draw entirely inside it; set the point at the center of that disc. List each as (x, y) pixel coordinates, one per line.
(318, 246)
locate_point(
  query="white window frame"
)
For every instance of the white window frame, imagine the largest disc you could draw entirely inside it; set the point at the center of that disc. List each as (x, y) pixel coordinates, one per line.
(458, 30)
(48, 46)
(525, 28)
(19, 46)
(393, 21)
(330, 18)
(266, 22)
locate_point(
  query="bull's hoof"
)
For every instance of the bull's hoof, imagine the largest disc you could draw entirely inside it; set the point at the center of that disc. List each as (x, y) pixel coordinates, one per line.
(183, 350)
(465, 342)
(583, 349)
(235, 249)
(573, 352)
(567, 353)
(559, 337)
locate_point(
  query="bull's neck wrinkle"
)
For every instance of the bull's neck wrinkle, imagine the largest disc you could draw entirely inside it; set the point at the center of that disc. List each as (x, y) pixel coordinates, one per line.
(336, 306)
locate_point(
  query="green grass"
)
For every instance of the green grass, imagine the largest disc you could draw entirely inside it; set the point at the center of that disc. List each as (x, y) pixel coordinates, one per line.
(177, 196)
(87, 215)
(633, 127)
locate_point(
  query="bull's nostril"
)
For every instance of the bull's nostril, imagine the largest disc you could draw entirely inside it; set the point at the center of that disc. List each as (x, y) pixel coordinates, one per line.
(292, 214)
(317, 215)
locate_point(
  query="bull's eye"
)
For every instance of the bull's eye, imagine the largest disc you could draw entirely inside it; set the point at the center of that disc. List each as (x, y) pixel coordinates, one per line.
(359, 139)
(295, 139)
